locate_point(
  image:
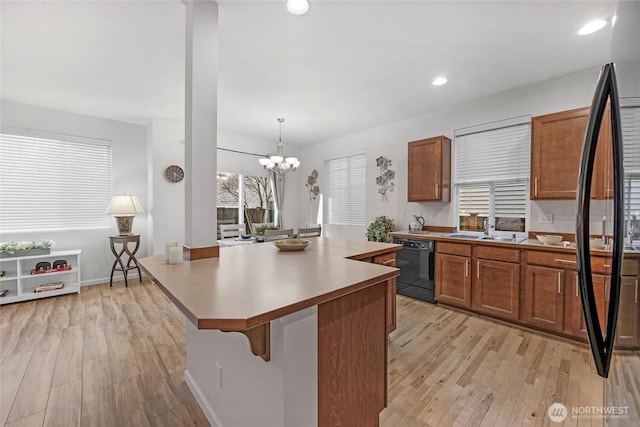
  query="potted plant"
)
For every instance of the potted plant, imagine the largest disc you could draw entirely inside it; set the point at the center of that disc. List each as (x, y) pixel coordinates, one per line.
(378, 230)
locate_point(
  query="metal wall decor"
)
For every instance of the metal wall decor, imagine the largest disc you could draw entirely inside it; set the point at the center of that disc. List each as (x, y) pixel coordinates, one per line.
(385, 180)
(312, 185)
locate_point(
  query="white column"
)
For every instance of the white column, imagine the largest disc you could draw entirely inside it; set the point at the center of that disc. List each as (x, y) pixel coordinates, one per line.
(201, 122)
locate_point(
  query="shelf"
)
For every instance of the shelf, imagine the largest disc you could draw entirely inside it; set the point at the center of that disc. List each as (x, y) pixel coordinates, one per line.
(21, 284)
(12, 297)
(53, 273)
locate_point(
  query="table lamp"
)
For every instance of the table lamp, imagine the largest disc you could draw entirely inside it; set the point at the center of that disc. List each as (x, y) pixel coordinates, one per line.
(124, 208)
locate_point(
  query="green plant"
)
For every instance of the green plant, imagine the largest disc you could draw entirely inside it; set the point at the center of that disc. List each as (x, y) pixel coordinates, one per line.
(259, 231)
(378, 230)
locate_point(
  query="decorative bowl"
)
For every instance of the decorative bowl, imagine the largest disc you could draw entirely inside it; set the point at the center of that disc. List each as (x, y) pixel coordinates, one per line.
(288, 245)
(245, 236)
(549, 239)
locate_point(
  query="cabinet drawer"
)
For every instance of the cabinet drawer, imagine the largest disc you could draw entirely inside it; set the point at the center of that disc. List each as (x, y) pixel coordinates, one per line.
(498, 254)
(453, 248)
(602, 265)
(388, 259)
(552, 259)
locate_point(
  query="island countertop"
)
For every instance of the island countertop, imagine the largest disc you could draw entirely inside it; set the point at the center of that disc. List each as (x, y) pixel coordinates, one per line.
(250, 285)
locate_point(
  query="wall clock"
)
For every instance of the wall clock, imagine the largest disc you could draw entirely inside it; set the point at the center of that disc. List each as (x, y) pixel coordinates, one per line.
(174, 173)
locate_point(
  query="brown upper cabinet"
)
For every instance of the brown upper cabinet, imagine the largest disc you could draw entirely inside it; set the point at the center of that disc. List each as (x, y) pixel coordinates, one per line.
(429, 170)
(556, 149)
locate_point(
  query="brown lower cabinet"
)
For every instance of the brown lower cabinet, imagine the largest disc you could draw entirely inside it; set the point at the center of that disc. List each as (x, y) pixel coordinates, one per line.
(496, 288)
(578, 326)
(388, 259)
(628, 333)
(543, 298)
(535, 288)
(453, 275)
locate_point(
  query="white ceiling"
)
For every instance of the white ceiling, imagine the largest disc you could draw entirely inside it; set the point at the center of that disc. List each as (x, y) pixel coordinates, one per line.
(344, 67)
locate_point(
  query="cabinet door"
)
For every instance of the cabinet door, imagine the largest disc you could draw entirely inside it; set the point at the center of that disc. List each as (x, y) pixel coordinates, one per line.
(389, 259)
(429, 170)
(391, 305)
(543, 298)
(556, 148)
(496, 288)
(578, 327)
(627, 334)
(453, 280)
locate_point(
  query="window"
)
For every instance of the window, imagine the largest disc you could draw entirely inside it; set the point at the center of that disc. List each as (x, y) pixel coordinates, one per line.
(345, 198)
(53, 182)
(630, 119)
(492, 173)
(244, 199)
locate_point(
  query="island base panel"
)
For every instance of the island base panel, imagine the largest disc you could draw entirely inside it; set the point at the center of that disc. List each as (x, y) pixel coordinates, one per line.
(352, 358)
(246, 390)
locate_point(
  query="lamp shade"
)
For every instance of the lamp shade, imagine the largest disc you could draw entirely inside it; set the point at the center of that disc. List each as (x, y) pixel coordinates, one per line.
(124, 205)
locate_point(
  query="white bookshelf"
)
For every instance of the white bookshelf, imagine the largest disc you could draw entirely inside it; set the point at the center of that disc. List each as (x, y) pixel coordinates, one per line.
(21, 284)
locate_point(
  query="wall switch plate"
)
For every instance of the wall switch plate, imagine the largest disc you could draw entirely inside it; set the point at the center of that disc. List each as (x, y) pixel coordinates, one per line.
(545, 219)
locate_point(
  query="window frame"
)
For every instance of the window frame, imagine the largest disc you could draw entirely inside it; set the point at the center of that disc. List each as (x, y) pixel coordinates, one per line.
(347, 206)
(521, 178)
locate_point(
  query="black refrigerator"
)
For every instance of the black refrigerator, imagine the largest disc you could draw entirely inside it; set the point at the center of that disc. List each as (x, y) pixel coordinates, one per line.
(613, 329)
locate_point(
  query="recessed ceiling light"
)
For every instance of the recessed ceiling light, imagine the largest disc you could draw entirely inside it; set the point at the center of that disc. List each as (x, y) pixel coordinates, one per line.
(297, 7)
(439, 81)
(592, 27)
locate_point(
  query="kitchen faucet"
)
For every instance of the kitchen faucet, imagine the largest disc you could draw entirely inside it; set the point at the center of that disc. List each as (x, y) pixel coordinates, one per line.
(487, 226)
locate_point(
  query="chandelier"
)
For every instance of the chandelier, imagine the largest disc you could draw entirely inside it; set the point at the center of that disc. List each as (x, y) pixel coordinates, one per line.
(279, 163)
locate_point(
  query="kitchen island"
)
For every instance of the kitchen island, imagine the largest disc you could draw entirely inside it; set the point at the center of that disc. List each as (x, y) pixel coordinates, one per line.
(285, 338)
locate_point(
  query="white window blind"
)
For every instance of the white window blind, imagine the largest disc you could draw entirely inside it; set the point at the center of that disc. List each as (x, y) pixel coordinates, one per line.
(630, 120)
(473, 200)
(510, 200)
(53, 182)
(345, 198)
(493, 155)
(492, 171)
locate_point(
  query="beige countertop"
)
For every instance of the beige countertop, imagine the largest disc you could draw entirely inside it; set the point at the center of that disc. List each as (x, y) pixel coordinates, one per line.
(250, 285)
(531, 244)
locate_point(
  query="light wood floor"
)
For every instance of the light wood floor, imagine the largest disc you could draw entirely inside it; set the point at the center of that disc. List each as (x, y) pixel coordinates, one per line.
(116, 357)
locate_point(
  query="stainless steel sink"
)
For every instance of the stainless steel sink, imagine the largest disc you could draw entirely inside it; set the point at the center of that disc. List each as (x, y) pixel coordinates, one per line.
(462, 235)
(485, 237)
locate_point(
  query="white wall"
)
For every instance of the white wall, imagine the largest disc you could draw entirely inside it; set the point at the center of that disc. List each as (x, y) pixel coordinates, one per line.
(571, 91)
(165, 146)
(129, 176)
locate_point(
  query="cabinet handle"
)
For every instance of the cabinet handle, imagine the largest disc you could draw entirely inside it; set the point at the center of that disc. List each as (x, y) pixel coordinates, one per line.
(635, 299)
(577, 286)
(389, 261)
(466, 268)
(558, 282)
(565, 261)
(478, 270)
(535, 187)
(437, 190)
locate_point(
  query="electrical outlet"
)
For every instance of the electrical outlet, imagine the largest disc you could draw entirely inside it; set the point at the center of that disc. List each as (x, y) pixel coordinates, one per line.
(178, 213)
(404, 214)
(219, 375)
(545, 219)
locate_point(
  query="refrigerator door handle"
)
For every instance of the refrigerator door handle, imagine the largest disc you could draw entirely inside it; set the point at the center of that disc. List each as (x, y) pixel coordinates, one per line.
(601, 345)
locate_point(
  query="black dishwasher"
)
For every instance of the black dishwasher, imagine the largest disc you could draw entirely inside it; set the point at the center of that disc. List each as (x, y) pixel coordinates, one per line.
(416, 261)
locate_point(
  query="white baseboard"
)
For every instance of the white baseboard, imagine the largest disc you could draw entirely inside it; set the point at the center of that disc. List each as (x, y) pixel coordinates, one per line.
(208, 411)
(102, 280)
